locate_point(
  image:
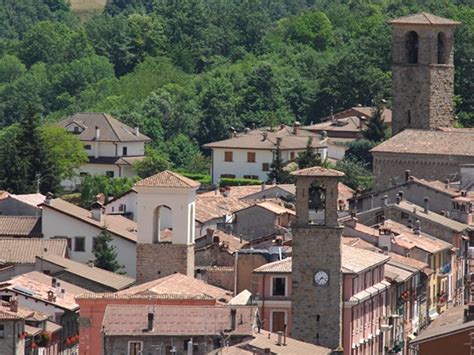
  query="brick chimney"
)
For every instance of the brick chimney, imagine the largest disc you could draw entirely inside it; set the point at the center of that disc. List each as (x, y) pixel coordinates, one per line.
(426, 201)
(13, 304)
(97, 211)
(296, 127)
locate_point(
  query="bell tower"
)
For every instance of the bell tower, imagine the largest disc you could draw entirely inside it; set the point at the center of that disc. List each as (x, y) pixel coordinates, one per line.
(422, 72)
(316, 306)
(166, 215)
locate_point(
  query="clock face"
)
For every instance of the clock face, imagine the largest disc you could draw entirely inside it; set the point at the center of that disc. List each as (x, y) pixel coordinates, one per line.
(321, 278)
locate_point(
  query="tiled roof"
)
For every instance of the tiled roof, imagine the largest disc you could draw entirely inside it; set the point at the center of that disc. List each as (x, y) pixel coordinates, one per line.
(168, 179)
(397, 274)
(178, 284)
(432, 216)
(20, 226)
(95, 274)
(354, 260)
(405, 235)
(21, 312)
(256, 141)
(52, 327)
(209, 207)
(423, 18)
(237, 191)
(275, 208)
(318, 171)
(170, 320)
(116, 224)
(449, 322)
(36, 285)
(410, 141)
(111, 129)
(25, 250)
(30, 199)
(230, 242)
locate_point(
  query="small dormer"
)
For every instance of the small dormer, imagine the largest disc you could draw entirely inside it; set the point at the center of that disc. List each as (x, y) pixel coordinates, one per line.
(317, 196)
(75, 127)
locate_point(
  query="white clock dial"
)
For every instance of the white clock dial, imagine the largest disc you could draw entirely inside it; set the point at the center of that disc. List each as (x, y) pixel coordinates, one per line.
(321, 278)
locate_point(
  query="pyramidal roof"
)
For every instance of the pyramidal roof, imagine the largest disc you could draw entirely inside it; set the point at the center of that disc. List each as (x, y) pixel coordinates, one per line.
(423, 18)
(168, 179)
(318, 171)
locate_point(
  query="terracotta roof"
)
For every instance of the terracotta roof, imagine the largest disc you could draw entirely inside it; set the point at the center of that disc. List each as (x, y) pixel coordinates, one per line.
(237, 191)
(25, 250)
(20, 226)
(397, 274)
(52, 327)
(107, 278)
(116, 224)
(178, 284)
(209, 207)
(423, 18)
(21, 312)
(264, 340)
(318, 171)
(30, 199)
(436, 185)
(111, 129)
(32, 330)
(230, 242)
(256, 141)
(354, 260)
(171, 320)
(168, 179)
(36, 285)
(405, 235)
(449, 322)
(410, 141)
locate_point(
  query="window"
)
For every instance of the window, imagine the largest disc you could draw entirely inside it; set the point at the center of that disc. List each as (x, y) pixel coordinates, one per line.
(109, 174)
(279, 286)
(228, 156)
(69, 240)
(135, 347)
(251, 177)
(411, 43)
(76, 130)
(94, 243)
(266, 167)
(404, 215)
(292, 156)
(2, 331)
(278, 321)
(79, 244)
(227, 176)
(122, 207)
(83, 174)
(442, 57)
(124, 151)
(250, 157)
(409, 117)
(87, 147)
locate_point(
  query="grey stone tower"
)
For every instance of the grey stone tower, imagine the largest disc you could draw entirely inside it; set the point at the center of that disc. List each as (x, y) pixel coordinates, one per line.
(165, 201)
(316, 306)
(423, 72)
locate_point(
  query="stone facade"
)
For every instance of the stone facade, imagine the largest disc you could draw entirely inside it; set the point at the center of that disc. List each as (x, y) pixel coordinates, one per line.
(316, 310)
(423, 87)
(223, 276)
(10, 343)
(163, 259)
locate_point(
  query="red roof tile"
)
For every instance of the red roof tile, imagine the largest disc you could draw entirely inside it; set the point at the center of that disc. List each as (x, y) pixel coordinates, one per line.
(318, 171)
(168, 179)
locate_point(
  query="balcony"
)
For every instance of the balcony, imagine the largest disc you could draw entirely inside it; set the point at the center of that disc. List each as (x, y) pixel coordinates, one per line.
(444, 270)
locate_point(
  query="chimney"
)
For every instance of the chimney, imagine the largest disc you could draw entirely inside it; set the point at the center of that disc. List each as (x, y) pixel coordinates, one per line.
(280, 338)
(278, 141)
(233, 314)
(426, 201)
(267, 351)
(246, 130)
(385, 200)
(91, 263)
(264, 136)
(417, 227)
(150, 321)
(97, 133)
(409, 223)
(13, 304)
(51, 296)
(284, 334)
(209, 235)
(48, 199)
(401, 194)
(100, 198)
(62, 293)
(398, 199)
(263, 185)
(97, 211)
(53, 282)
(296, 127)
(385, 239)
(58, 288)
(137, 131)
(190, 347)
(407, 175)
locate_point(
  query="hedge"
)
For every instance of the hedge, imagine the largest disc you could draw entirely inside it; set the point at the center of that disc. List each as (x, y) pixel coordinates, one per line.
(238, 182)
(202, 178)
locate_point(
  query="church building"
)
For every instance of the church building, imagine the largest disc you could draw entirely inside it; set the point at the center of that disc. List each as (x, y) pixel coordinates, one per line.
(424, 141)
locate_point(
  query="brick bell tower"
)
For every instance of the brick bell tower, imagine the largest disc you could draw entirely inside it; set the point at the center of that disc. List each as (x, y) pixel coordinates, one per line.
(166, 215)
(316, 307)
(422, 72)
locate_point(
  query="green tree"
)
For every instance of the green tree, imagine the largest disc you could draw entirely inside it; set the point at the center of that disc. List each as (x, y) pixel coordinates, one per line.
(376, 130)
(92, 185)
(360, 150)
(308, 157)
(153, 163)
(11, 68)
(312, 28)
(181, 150)
(277, 172)
(356, 174)
(13, 175)
(105, 253)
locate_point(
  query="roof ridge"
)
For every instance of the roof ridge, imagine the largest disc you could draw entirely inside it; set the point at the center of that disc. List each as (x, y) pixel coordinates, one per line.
(107, 118)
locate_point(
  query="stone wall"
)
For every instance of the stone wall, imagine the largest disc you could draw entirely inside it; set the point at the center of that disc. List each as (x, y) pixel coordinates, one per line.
(223, 277)
(82, 282)
(317, 310)
(163, 259)
(431, 167)
(214, 255)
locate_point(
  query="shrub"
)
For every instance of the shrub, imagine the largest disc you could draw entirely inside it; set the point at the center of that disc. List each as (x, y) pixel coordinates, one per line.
(238, 182)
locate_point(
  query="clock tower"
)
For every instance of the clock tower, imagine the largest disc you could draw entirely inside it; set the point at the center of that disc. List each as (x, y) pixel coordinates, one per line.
(316, 307)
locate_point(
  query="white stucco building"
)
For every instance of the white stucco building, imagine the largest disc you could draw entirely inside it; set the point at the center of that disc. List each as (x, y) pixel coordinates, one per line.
(250, 154)
(111, 145)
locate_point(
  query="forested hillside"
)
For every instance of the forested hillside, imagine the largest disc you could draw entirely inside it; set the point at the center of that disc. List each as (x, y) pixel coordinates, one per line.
(185, 71)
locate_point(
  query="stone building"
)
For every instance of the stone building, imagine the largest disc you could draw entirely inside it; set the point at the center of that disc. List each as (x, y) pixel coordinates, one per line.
(316, 273)
(423, 89)
(173, 194)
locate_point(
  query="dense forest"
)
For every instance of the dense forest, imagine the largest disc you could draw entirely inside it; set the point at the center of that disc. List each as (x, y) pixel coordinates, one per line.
(186, 71)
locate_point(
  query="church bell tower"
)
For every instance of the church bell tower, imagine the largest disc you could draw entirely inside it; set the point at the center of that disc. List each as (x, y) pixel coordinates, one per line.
(422, 72)
(316, 305)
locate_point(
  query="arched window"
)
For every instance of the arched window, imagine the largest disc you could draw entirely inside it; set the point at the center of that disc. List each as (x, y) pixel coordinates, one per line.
(442, 53)
(317, 204)
(162, 224)
(411, 44)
